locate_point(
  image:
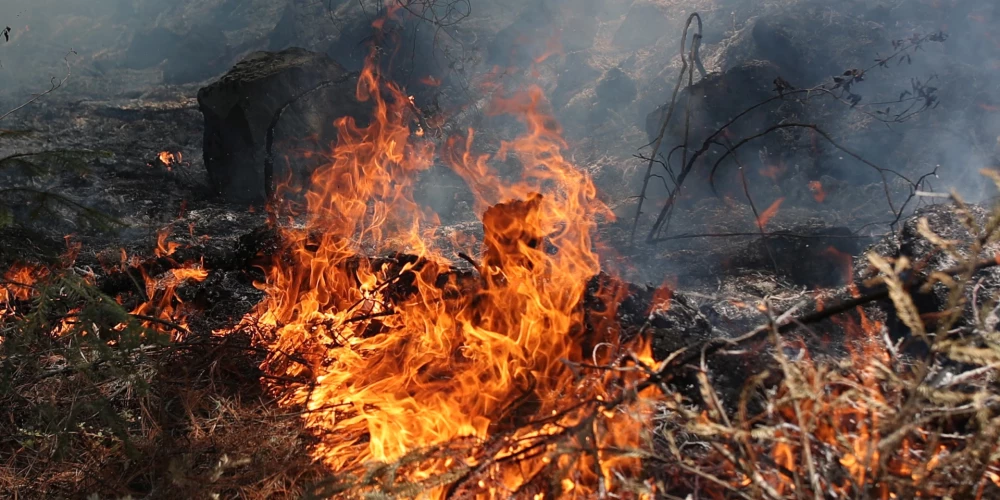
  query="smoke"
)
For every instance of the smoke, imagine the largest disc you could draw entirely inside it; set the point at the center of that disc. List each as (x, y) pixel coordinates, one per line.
(605, 65)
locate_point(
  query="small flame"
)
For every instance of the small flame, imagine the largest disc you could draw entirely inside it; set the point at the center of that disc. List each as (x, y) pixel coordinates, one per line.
(816, 188)
(430, 81)
(163, 247)
(662, 296)
(772, 171)
(170, 159)
(553, 47)
(768, 214)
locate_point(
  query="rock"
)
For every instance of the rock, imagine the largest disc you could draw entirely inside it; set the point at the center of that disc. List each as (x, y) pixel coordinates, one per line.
(809, 255)
(643, 25)
(239, 107)
(808, 44)
(947, 223)
(576, 73)
(715, 99)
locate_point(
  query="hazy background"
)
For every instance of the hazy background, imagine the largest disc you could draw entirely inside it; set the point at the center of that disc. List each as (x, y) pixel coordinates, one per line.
(604, 64)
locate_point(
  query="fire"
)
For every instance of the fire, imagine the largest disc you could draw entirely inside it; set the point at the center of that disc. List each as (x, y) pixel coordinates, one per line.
(162, 305)
(163, 247)
(17, 285)
(170, 159)
(816, 188)
(772, 171)
(403, 353)
(662, 296)
(771, 211)
(553, 47)
(430, 81)
(18, 282)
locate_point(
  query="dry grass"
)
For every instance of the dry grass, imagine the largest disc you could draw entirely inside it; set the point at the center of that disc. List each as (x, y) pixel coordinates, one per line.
(117, 417)
(189, 422)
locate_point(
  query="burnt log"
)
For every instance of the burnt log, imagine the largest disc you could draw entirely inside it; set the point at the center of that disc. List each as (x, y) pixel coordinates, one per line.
(308, 89)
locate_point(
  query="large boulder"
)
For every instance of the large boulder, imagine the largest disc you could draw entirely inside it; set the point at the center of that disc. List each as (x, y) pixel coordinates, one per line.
(714, 100)
(808, 43)
(239, 107)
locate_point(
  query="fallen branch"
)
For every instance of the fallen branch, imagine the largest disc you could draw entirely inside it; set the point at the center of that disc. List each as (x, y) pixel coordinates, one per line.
(785, 323)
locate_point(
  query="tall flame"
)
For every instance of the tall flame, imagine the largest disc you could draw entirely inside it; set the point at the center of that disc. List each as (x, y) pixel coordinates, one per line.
(401, 353)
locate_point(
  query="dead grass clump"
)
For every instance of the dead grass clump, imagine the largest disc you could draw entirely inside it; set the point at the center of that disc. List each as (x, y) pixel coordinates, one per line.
(93, 403)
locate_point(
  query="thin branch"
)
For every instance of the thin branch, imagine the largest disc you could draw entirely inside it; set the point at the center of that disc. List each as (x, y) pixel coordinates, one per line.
(55, 84)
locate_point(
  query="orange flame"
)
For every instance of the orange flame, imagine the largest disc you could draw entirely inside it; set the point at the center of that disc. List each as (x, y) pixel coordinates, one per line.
(169, 159)
(164, 306)
(771, 211)
(163, 247)
(772, 171)
(18, 281)
(816, 188)
(553, 47)
(403, 353)
(662, 296)
(430, 81)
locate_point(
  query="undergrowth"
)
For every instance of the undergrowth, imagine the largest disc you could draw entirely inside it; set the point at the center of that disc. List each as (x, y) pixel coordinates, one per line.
(94, 403)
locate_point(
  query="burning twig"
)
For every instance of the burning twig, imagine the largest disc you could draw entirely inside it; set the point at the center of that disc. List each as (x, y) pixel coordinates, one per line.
(761, 221)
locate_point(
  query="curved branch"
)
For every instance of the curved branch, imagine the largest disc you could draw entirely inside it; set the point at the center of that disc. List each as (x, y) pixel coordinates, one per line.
(666, 120)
